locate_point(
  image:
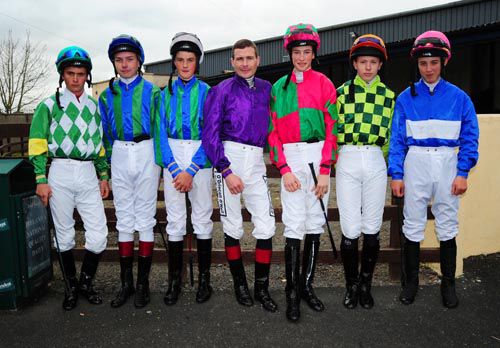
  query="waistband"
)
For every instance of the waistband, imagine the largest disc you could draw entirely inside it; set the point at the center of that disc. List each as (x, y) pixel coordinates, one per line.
(304, 145)
(242, 147)
(184, 141)
(121, 143)
(71, 160)
(439, 149)
(360, 148)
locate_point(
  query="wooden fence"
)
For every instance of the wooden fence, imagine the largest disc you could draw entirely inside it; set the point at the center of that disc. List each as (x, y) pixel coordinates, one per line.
(389, 254)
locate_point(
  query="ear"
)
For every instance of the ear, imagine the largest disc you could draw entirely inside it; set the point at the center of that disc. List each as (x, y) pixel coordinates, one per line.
(258, 60)
(232, 62)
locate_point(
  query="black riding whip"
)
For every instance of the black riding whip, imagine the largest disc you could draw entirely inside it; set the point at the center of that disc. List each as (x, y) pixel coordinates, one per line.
(189, 231)
(67, 287)
(334, 249)
(400, 206)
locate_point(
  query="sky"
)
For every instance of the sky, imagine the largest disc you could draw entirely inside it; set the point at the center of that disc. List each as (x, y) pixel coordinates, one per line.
(92, 24)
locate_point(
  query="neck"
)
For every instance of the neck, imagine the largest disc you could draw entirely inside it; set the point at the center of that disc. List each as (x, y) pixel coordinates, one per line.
(128, 80)
(251, 82)
(184, 81)
(368, 83)
(432, 85)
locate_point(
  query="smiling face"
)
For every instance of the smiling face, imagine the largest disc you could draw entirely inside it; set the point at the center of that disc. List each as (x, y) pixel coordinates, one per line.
(245, 62)
(302, 57)
(185, 63)
(126, 64)
(429, 68)
(367, 67)
(74, 79)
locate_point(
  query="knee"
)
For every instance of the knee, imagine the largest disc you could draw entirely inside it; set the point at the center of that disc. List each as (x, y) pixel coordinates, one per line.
(147, 236)
(349, 244)
(371, 240)
(230, 241)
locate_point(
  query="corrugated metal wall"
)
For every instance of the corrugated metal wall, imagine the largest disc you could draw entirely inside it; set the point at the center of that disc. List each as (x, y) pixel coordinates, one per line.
(335, 39)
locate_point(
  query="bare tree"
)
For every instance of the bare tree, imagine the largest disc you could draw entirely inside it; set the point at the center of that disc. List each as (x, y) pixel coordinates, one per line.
(23, 66)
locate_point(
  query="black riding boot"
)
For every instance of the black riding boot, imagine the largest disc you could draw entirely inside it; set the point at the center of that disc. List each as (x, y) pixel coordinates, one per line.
(89, 268)
(233, 254)
(142, 297)
(448, 258)
(349, 253)
(204, 291)
(311, 249)
(175, 259)
(71, 294)
(263, 251)
(127, 279)
(412, 261)
(369, 256)
(292, 271)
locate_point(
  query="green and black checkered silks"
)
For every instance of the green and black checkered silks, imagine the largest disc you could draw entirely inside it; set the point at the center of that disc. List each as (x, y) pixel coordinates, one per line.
(367, 119)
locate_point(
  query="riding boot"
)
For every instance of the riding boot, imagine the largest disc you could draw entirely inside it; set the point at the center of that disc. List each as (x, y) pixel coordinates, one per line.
(292, 272)
(233, 254)
(175, 260)
(263, 254)
(127, 280)
(89, 268)
(70, 294)
(369, 256)
(142, 295)
(448, 258)
(412, 264)
(311, 249)
(204, 291)
(349, 253)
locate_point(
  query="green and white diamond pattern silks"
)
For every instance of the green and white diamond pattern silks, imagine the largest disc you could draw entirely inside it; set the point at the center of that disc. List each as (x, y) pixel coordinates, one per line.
(74, 131)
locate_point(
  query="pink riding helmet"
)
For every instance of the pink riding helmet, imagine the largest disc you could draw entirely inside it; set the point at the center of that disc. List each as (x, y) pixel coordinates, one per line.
(300, 34)
(432, 43)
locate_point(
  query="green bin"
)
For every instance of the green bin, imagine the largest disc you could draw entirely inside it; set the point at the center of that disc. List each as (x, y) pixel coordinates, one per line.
(25, 264)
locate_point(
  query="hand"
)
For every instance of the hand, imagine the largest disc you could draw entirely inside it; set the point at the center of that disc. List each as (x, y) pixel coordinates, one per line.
(183, 182)
(459, 186)
(398, 188)
(234, 184)
(44, 192)
(322, 187)
(291, 182)
(104, 188)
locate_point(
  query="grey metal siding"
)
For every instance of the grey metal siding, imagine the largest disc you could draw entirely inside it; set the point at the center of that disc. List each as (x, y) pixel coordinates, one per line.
(394, 28)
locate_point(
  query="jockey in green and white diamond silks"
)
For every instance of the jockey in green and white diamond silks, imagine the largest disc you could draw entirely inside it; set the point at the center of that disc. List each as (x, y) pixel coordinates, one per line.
(187, 171)
(129, 108)
(67, 128)
(365, 107)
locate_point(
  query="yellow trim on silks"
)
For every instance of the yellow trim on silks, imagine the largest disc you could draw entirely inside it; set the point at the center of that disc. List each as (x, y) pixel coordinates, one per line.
(102, 152)
(37, 147)
(195, 166)
(40, 177)
(103, 174)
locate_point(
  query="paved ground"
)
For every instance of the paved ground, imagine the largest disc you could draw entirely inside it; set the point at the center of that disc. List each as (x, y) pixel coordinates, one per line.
(222, 322)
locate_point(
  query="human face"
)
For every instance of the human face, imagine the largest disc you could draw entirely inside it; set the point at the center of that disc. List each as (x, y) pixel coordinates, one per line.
(245, 62)
(367, 67)
(74, 78)
(429, 68)
(185, 63)
(302, 58)
(127, 64)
